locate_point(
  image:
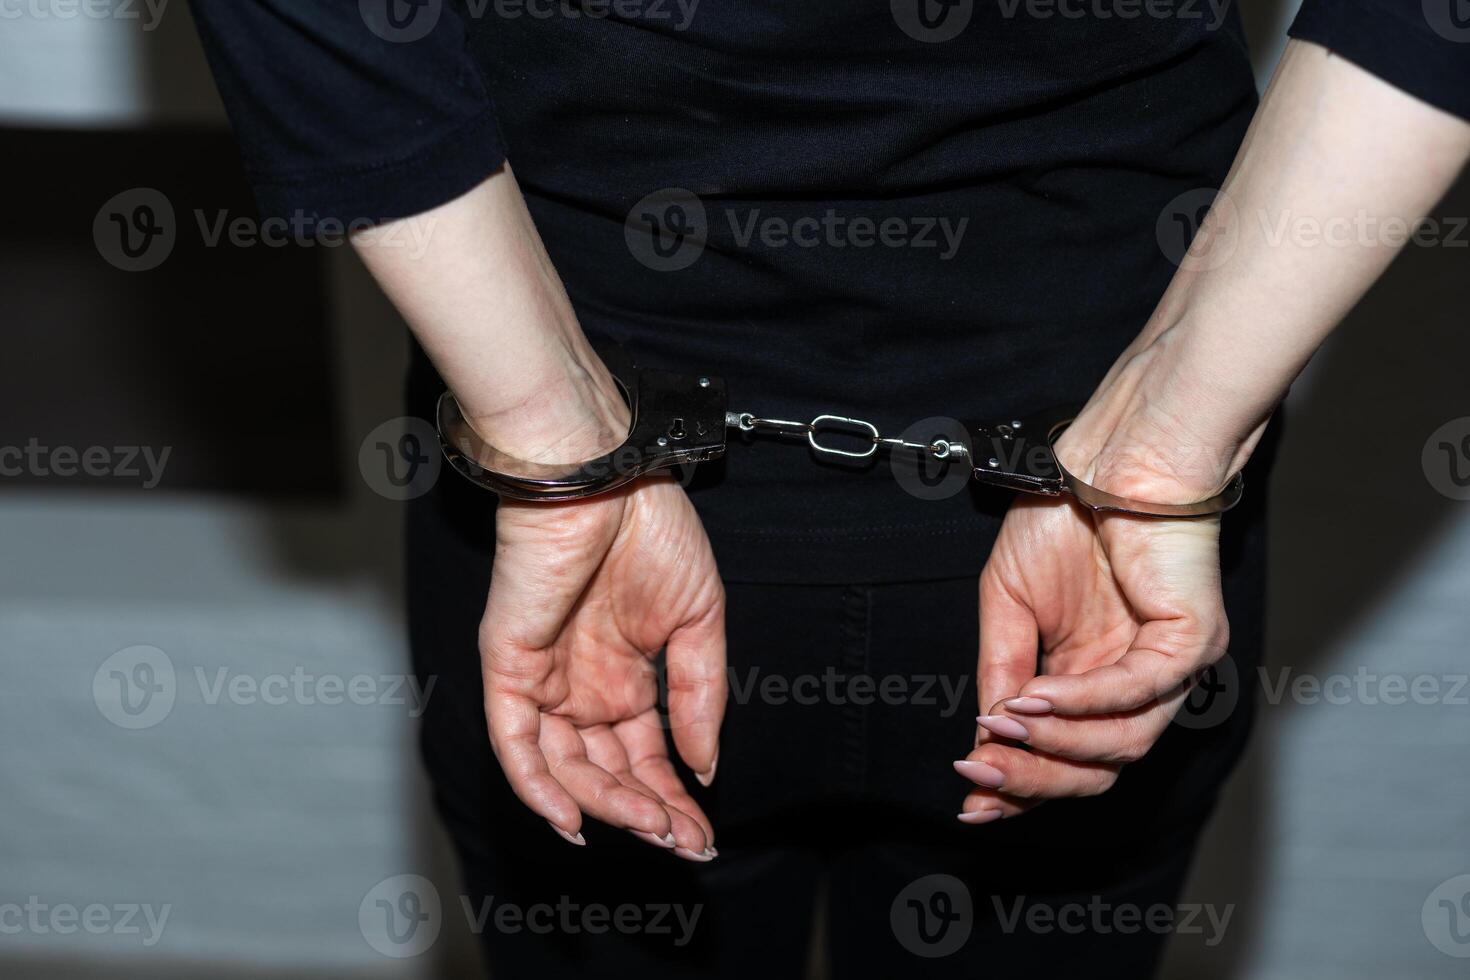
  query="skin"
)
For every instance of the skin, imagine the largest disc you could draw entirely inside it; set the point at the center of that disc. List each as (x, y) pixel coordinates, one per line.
(1099, 621)
(1096, 622)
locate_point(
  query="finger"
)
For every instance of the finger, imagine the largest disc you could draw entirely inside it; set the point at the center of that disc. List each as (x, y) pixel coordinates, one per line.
(982, 806)
(1169, 572)
(649, 760)
(515, 733)
(1164, 657)
(1118, 738)
(605, 750)
(1033, 775)
(1008, 641)
(598, 792)
(695, 660)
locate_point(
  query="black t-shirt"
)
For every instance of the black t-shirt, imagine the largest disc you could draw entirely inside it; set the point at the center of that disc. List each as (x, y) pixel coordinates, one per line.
(886, 209)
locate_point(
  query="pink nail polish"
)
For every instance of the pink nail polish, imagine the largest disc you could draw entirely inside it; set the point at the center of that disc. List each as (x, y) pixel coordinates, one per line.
(576, 838)
(980, 816)
(1004, 727)
(689, 855)
(1029, 705)
(979, 772)
(708, 776)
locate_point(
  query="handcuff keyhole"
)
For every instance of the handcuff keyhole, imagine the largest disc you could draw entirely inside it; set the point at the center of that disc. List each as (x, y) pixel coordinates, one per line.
(677, 430)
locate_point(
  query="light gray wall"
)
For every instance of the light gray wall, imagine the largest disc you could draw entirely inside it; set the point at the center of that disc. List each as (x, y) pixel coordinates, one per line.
(264, 827)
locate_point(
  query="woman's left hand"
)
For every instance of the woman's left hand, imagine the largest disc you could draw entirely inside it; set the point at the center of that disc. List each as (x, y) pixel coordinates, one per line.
(1123, 611)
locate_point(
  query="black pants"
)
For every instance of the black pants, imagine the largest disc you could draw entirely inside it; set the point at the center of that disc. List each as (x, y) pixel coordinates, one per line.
(834, 791)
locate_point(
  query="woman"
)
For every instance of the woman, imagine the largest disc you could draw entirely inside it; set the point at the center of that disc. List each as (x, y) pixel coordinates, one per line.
(884, 210)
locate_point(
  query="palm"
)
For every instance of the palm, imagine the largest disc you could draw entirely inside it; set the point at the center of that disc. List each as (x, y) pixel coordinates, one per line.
(1095, 623)
(1050, 558)
(583, 598)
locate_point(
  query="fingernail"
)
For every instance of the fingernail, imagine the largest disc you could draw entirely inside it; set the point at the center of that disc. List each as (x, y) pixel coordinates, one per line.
(667, 840)
(576, 838)
(708, 776)
(688, 855)
(980, 816)
(1029, 705)
(1004, 727)
(980, 772)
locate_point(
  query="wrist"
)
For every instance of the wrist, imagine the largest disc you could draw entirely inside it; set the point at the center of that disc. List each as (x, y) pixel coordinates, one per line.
(1161, 427)
(568, 411)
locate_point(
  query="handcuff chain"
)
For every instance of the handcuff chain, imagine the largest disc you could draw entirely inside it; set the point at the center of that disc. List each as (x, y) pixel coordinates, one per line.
(938, 449)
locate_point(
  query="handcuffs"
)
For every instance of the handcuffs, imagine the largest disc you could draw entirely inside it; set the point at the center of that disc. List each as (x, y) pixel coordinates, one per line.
(681, 419)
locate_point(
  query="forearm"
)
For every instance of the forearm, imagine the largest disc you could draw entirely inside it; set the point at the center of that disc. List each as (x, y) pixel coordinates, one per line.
(489, 309)
(1331, 148)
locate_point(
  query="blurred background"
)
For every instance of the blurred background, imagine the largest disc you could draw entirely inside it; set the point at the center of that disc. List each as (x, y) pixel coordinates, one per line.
(206, 722)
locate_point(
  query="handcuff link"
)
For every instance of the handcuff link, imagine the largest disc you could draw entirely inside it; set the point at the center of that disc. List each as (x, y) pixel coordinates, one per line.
(680, 419)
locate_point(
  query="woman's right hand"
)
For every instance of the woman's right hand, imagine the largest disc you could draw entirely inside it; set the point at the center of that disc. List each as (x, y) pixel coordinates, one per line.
(583, 596)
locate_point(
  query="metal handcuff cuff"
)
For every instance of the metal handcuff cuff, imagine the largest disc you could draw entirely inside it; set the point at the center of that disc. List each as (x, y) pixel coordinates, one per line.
(682, 419)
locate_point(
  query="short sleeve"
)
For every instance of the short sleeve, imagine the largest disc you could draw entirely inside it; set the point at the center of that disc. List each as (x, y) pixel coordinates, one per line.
(351, 110)
(1422, 48)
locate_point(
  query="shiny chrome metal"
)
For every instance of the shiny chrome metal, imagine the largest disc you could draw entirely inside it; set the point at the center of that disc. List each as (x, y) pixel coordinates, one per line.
(681, 419)
(838, 422)
(1023, 458)
(677, 419)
